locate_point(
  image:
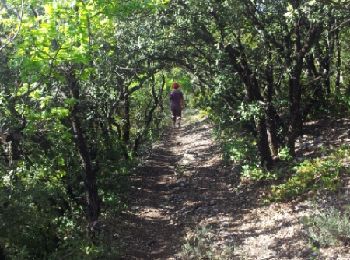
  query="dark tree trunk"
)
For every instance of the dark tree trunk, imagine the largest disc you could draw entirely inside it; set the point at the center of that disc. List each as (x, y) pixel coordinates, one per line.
(263, 144)
(253, 95)
(126, 125)
(296, 119)
(93, 201)
(2, 253)
(296, 64)
(337, 81)
(318, 95)
(239, 62)
(329, 52)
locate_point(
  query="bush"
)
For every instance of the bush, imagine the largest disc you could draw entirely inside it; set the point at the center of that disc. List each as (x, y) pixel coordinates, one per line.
(310, 175)
(328, 228)
(256, 173)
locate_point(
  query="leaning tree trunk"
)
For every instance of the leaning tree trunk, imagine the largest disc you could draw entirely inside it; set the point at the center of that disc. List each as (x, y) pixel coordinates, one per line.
(92, 198)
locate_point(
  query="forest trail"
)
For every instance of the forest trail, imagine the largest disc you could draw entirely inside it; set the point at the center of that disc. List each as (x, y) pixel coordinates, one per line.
(183, 191)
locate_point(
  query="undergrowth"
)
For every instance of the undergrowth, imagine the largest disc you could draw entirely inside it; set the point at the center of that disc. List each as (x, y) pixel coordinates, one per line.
(328, 228)
(311, 176)
(290, 178)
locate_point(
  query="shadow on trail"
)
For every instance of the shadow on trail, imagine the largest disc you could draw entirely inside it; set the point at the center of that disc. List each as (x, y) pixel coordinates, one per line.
(182, 185)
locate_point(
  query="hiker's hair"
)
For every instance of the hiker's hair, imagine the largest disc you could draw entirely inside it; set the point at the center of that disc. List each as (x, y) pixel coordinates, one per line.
(176, 85)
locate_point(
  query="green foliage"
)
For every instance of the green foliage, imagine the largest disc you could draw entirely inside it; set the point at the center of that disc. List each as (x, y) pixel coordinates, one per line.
(284, 154)
(182, 77)
(237, 150)
(252, 110)
(33, 202)
(309, 175)
(115, 52)
(329, 227)
(256, 173)
(44, 186)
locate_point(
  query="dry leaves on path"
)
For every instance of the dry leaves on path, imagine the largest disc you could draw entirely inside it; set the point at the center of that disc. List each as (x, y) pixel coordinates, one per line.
(185, 204)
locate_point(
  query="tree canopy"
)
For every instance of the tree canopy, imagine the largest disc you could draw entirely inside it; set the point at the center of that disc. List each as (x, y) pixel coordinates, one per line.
(83, 94)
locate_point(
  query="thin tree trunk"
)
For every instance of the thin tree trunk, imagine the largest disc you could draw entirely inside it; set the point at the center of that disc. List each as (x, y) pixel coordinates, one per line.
(337, 81)
(126, 125)
(270, 113)
(253, 95)
(93, 201)
(2, 253)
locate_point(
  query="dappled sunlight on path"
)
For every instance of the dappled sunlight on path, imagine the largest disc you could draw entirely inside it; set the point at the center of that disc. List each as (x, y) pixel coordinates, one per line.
(184, 188)
(181, 185)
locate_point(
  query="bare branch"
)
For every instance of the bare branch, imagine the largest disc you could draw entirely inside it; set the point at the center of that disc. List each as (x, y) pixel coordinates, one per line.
(339, 26)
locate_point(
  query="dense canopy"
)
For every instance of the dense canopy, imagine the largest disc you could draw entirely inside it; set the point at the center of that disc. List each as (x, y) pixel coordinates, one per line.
(84, 90)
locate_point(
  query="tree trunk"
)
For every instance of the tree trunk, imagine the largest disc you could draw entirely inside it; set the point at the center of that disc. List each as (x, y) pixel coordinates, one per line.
(93, 201)
(296, 119)
(295, 113)
(263, 144)
(125, 129)
(270, 113)
(253, 95)
(2, 253)
(126, 124)
(318, 94)
(337, 81)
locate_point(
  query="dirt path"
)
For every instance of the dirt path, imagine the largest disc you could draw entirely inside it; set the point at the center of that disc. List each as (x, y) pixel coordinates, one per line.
(184, 203)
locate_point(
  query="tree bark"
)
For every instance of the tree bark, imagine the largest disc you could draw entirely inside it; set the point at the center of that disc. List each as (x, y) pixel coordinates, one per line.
(337, 81)
(92, 198)
(253, 95)
(126, 118)
(296, 119)
(271, 112)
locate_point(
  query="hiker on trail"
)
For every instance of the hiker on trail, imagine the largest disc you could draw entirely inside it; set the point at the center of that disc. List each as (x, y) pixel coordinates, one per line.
(177, 103)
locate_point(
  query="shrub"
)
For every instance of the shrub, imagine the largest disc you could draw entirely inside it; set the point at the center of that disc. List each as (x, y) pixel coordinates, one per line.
(256, 173)
(329, 227)
(310, 175)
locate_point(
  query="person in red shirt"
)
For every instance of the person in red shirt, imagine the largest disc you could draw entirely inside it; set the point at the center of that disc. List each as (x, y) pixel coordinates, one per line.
(177, 103)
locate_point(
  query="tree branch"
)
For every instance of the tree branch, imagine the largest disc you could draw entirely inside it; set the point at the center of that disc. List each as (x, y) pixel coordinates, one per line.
(20, 17)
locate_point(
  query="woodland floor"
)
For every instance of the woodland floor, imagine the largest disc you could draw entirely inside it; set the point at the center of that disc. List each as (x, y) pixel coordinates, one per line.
(184, 185)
